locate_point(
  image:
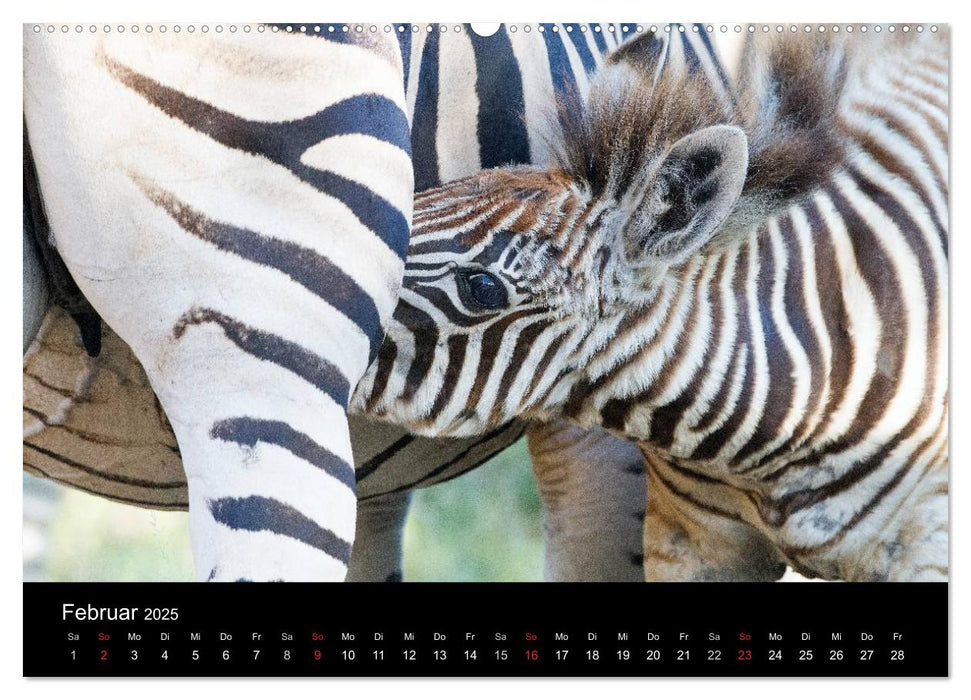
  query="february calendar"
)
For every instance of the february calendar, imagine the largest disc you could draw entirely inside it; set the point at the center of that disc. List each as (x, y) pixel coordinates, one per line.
(516, 630)
(393, 349)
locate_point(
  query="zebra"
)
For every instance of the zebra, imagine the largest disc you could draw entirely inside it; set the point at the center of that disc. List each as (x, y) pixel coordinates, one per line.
(478, 102)
(253, 323)
(514, 73)
(754, 290)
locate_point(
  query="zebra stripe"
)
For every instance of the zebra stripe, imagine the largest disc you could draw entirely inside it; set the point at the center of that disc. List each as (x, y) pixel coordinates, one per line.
(787, 383)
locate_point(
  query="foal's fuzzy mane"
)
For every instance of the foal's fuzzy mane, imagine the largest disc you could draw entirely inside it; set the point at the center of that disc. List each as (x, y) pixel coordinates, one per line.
(786, 100)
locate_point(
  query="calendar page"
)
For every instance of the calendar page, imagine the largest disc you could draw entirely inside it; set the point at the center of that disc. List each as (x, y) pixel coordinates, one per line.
(524, 349)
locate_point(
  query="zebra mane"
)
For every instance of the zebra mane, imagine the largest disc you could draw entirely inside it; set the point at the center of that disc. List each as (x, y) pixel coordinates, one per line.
(785, 99)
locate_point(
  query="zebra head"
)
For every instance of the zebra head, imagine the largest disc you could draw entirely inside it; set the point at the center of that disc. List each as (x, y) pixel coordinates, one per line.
(524, 287)
(516, 276)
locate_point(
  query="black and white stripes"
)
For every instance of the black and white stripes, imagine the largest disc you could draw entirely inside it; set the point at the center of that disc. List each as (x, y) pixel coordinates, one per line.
(467, 97)
(487, 129)
(222, 224)
(484, 102)
(754, 289)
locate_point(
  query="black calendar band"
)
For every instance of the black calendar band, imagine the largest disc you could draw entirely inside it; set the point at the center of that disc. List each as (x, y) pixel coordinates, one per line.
(521, 629)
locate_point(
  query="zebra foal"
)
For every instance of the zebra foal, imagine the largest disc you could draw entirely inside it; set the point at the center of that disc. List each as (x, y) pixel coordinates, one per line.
(753, 290)
(479, 102)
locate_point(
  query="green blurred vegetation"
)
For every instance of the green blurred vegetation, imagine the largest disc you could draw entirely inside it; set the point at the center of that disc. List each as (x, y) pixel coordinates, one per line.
(93, 539)
(483, 526)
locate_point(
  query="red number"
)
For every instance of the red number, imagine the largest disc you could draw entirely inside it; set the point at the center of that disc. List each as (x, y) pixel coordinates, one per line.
(532, 655)
(104, 654)
(744, 654)
(316, 654)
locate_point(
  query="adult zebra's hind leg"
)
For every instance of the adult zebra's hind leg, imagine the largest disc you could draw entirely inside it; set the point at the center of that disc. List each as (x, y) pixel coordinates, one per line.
(377, 556)
(266, 451)
(591, 485)
(237, 210)
(690, 539)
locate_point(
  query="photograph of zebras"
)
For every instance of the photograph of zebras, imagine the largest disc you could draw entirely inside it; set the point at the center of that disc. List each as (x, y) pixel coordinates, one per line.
(282, 276)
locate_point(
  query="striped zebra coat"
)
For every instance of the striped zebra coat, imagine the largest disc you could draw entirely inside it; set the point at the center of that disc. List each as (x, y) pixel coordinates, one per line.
(479, 102)
(116, 438)
(754, 290)
(225, 223)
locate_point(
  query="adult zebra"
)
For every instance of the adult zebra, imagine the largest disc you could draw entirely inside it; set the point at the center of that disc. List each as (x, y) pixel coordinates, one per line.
(753, 290)
(254, 322)
(466, 99)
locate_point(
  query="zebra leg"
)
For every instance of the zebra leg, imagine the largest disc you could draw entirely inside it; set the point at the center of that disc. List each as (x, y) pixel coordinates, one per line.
(591, 485)
(231, 229)
(267, 458)
(377, 556)
(36, 294)
(685, 540)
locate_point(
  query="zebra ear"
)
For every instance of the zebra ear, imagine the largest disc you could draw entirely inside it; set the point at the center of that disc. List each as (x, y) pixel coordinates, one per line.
(645, 52)
(687, 198)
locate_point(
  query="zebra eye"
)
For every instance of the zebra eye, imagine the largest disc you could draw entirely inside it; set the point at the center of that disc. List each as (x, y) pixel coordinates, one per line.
(481, 290)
